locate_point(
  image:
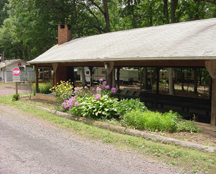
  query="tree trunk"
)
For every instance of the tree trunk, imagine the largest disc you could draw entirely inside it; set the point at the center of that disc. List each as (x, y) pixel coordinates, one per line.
(106, 15)
(174, 4)
(166, 13)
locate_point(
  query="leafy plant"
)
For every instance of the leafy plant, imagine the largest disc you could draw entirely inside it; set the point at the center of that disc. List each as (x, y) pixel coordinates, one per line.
(187, 126)
(43, 88)
(15, 97)
(127, 105)
(103, 107)
(62, 91)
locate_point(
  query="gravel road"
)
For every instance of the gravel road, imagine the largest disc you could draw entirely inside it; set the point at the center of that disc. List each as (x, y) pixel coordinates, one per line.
(29, 144)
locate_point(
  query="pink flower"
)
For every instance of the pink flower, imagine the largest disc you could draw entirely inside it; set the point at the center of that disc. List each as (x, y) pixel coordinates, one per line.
(69, 103)
(107, 87)
(104, 83)
(85, 87)
(97, 97)
(93, 89)
(101, 80)
(77, 104)
(98, 89)
(113, 90)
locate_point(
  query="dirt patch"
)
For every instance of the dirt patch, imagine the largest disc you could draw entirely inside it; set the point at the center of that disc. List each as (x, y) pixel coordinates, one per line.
(206, 136)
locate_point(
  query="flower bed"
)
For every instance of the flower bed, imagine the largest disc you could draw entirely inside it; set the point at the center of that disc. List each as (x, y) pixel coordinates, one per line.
(97, 104)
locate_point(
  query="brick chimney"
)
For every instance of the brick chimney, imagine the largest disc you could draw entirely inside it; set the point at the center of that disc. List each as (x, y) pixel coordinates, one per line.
(64, 33)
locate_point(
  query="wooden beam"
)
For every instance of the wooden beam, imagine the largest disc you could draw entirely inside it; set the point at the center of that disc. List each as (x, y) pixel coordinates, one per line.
(133, 63)
(211, 67)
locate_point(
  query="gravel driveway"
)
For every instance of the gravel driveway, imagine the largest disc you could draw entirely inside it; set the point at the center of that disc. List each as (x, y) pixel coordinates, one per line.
(29, 144)
(9, 88)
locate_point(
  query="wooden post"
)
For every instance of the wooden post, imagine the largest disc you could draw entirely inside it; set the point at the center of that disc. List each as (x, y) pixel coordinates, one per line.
(36, 83)
(91, 81)
(109, 68)
(54, 66)
(211, 67)
(118, 77)
(16, 87)
(158, 74)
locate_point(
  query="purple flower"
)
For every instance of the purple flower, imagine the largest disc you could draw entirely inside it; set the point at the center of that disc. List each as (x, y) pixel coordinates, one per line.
(107, 87)
(77, 104)
(85, 87)
(93, 89)
(113, 90)
(98, 89)
(101, 80)
(97, 97)
(69, 103)
(104, 83)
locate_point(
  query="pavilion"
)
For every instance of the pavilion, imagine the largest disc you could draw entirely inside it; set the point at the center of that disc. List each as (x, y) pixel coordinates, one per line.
(185, 44)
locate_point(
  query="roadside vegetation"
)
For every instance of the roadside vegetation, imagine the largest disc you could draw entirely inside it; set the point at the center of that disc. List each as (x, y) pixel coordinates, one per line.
(97, 103)
(191, 161)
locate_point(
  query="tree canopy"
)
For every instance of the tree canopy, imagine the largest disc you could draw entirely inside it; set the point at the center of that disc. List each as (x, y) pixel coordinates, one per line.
(29, 27)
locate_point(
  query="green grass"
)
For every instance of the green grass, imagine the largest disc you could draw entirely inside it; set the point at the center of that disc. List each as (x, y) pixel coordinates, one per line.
(187, 159)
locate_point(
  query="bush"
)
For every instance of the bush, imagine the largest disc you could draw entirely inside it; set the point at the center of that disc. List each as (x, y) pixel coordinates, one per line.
(43, 88)
(15, 97)
(62, 91)
(187, 126)
(95, 104)
(101, 107)
(127, 105)
(152, 121)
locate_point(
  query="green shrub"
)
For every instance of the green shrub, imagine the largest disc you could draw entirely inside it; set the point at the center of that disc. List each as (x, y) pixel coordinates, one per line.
(187, 126)
(127, 105)
(152, 121)
(62, 91)
(43, 88)
(15, 97)
(105, 107)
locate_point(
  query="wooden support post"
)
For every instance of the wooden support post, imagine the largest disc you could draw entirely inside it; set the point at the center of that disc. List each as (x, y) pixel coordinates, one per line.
(211, 67)
(213, 103)
(118, 77)
(109, 68)
(91, 81)
(16, 87)
(54, 66)
(36, 83)
(158, 78)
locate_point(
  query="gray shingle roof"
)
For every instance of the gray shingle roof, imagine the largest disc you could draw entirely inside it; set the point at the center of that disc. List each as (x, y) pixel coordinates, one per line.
(193, 40)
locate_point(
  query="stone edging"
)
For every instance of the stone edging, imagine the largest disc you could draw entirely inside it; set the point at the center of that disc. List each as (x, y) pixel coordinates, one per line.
(138, 133)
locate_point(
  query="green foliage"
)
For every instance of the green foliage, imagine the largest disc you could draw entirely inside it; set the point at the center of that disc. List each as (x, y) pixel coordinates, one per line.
(90, 107)
(62, 91)
(43, 88)
(15, 97)
(152, 121)
(187, 126)
(155, 121)
(126, 105)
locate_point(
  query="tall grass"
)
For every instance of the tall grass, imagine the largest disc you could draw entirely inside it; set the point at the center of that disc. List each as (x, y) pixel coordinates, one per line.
(155, 121)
